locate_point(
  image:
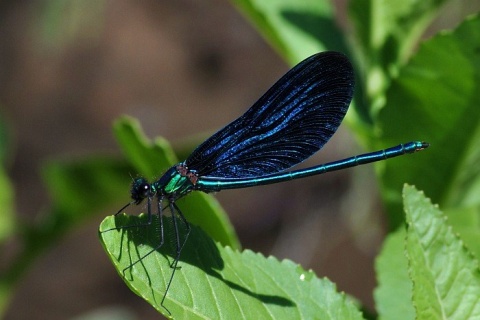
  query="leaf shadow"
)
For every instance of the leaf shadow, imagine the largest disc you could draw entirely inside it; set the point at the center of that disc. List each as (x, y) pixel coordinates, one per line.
(199, 251)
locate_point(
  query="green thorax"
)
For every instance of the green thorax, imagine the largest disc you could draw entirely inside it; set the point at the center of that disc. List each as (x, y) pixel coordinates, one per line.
(178, 181)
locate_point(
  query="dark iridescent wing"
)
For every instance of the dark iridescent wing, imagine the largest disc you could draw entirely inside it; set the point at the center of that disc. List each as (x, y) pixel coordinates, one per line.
(288, 124)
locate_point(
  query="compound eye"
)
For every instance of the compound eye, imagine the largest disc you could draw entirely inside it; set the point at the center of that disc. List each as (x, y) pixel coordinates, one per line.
(140, 190)
(144, 189)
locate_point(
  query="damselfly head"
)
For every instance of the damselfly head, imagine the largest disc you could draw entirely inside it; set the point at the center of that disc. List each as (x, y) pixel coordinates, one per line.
(141, 189)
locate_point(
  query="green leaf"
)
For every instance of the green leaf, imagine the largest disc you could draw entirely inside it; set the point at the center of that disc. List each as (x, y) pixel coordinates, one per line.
(79, 189)
(391, 29)
(466, 222)
(446, 277)
(151, 159)
(394, 291)
(82, 188)
(297, 29)
(436, 99)
(205, 211)
(213, 282)
(386, 33)
(7, 214)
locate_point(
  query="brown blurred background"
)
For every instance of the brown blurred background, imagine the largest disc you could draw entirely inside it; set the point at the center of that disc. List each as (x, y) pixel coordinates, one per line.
(183, 68)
